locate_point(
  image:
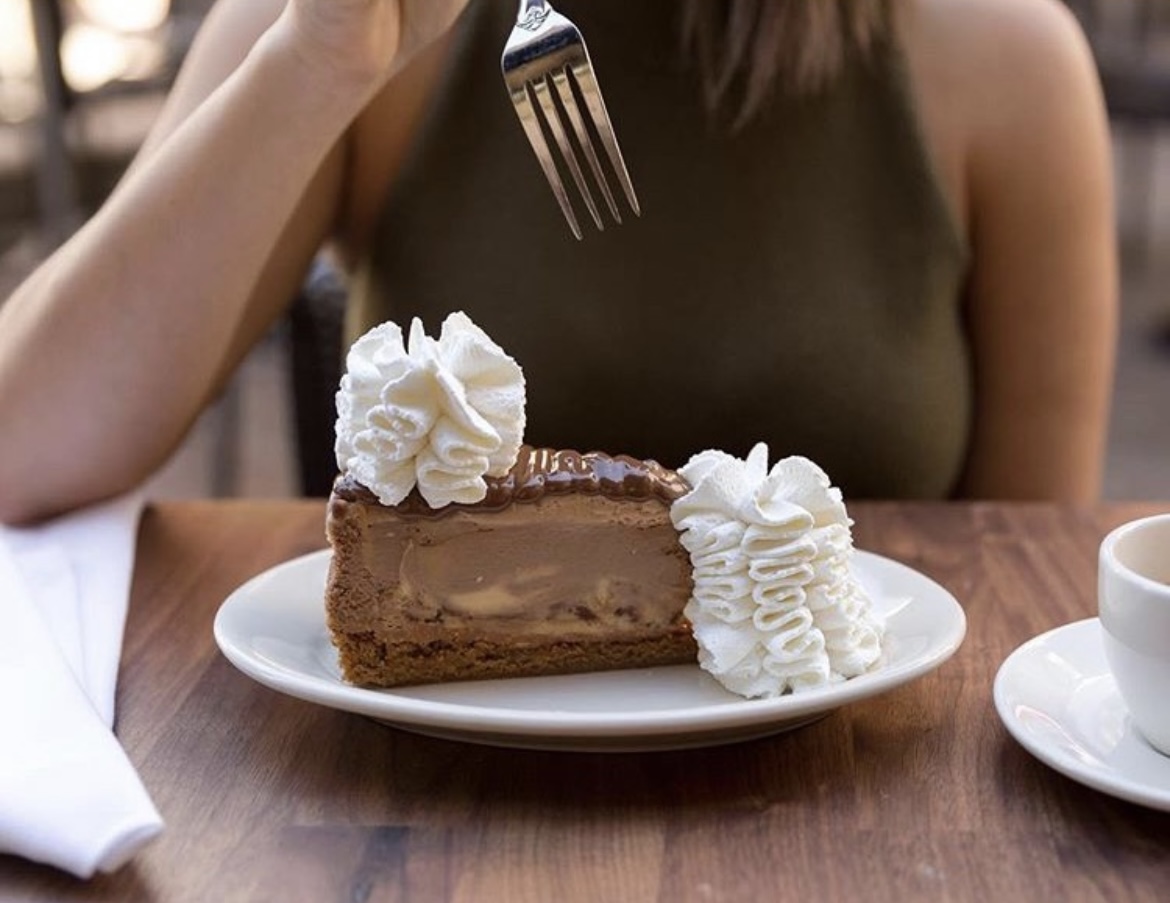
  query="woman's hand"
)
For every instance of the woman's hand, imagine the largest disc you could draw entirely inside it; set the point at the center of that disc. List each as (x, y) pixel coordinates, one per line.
(365, 41)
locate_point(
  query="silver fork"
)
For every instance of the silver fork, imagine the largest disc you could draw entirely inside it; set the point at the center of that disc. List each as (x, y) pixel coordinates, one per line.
(545, 53)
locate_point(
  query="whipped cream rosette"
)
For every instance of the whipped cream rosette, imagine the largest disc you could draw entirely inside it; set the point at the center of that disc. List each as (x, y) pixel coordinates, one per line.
(775, 607)
(437, 414)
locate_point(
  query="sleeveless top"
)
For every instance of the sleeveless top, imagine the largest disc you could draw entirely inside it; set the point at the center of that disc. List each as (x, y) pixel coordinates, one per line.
(798, 281)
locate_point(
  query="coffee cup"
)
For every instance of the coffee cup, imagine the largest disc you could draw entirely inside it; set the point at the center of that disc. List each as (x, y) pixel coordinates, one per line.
(1133, 596)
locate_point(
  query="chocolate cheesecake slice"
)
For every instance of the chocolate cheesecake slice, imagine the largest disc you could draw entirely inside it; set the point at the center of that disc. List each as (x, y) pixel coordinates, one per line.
(569, 564)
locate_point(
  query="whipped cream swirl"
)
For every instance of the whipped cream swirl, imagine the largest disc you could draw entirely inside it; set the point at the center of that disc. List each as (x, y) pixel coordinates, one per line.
(440, 414)
(775, 607)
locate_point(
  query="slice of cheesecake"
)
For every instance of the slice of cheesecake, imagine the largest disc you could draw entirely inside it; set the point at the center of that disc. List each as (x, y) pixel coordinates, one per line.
(569, 564)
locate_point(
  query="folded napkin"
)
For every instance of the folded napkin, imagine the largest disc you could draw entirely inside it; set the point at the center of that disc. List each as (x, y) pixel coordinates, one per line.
(68, 794)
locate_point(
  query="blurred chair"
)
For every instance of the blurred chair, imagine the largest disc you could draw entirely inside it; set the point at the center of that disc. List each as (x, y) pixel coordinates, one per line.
(1131, 44)
(314, 330)
(64, 193)
(57, 194)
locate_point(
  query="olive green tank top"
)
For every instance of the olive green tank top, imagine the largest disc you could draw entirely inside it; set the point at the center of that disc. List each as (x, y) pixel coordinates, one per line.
(796, 282)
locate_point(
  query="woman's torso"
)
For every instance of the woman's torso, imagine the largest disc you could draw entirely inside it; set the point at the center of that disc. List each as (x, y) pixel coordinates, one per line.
(797, 282)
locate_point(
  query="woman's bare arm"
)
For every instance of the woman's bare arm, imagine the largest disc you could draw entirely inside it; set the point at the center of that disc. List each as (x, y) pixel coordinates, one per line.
(110, 350)
(1023, 103)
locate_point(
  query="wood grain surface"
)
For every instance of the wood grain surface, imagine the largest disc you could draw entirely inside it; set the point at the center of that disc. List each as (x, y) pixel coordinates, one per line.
(917, 794)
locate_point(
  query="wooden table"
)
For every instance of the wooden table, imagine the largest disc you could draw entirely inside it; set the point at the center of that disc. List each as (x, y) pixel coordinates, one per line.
(918, 794)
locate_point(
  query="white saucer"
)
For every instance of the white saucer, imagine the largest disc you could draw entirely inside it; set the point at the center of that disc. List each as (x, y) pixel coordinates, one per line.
(1057, 698)
(273, 629)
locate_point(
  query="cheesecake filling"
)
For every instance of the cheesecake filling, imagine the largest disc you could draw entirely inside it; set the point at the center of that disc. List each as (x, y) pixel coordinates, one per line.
(564, 546)
(554, 569)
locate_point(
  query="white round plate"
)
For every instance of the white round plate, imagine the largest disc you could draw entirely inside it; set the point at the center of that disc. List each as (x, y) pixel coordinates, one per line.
(273, 629)
(1056, 696)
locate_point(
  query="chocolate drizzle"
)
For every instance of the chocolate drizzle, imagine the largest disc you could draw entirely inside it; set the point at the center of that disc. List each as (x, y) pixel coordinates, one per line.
(544, 471)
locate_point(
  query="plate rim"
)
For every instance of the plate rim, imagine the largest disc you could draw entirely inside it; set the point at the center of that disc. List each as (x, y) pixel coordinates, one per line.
(1109, 779)
(476, 720)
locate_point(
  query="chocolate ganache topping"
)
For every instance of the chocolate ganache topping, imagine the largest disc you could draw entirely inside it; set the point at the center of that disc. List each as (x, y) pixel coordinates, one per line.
(540, 471)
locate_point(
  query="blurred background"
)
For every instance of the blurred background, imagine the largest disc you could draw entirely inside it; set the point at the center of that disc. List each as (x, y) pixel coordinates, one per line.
(81, 80)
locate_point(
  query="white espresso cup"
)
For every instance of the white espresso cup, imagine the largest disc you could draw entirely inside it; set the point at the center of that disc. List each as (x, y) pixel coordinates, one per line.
(1133, 595)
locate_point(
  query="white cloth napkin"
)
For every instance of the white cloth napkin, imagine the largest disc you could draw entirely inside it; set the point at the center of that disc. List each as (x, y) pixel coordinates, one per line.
(68, 794)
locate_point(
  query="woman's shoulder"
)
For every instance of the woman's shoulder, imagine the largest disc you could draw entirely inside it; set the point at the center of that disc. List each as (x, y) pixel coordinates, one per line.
(1006, 51)
(1003, 85)
(1010, 25)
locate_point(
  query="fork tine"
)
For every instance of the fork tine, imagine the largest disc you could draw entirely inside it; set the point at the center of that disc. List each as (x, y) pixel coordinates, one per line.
(569, 103)
(583, 72)
(522, 103)
(553, 120)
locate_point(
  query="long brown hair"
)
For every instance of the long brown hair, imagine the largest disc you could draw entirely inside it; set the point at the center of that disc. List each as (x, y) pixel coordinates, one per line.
(746, 49)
